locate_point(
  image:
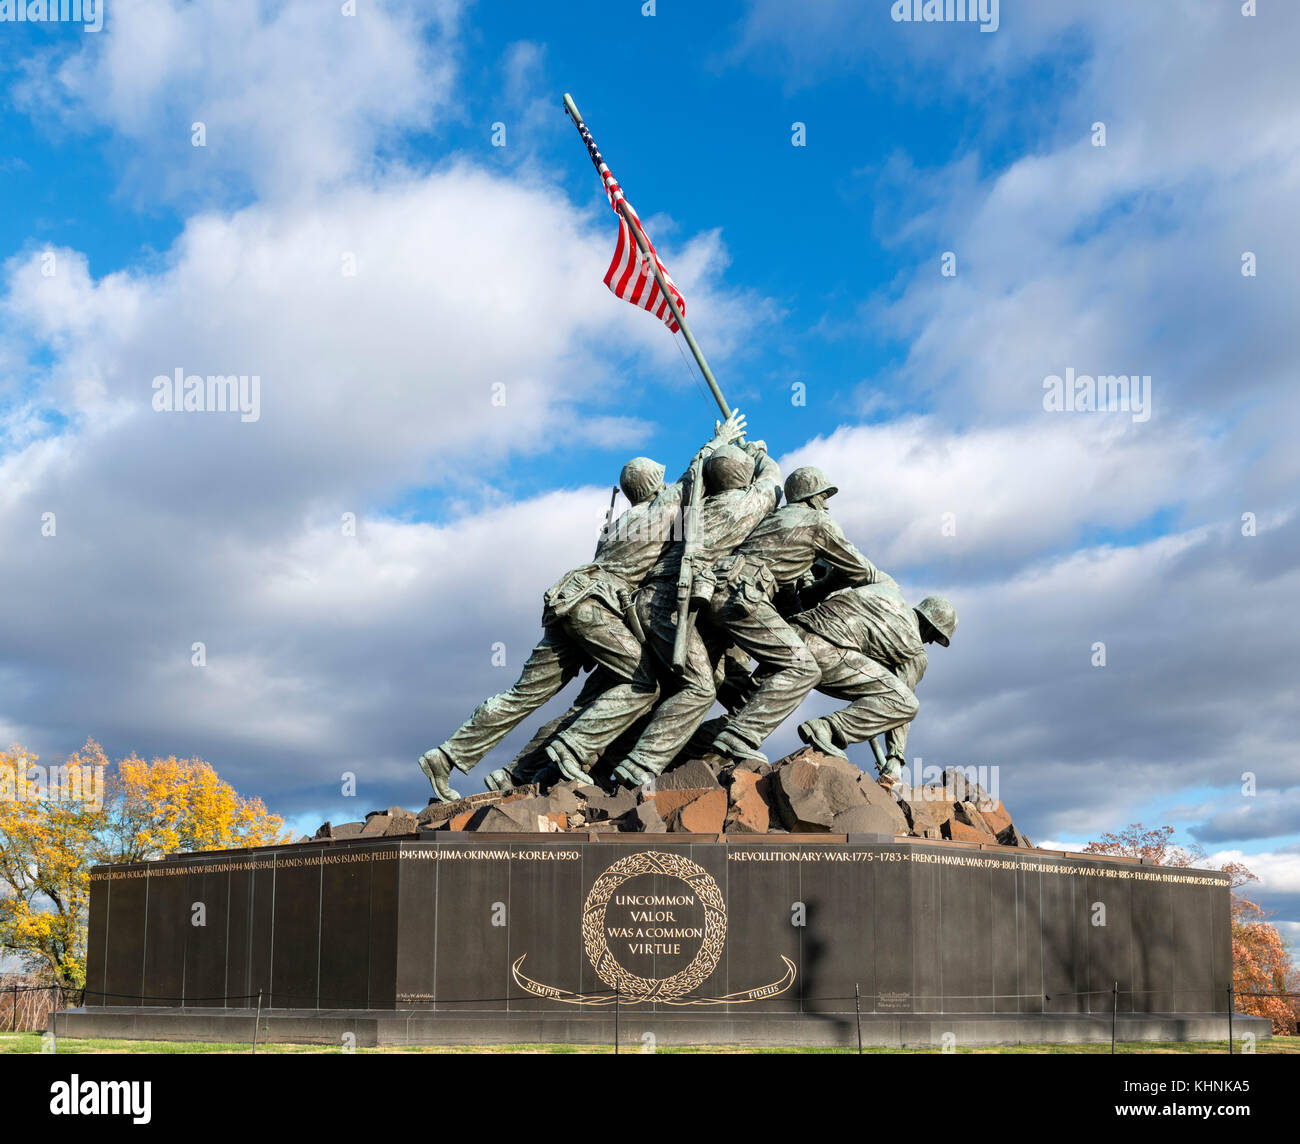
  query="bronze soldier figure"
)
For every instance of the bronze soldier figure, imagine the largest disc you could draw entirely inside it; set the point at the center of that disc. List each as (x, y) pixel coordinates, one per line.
(870, 648)
(779, 554)
(583, 617)
(742, 487)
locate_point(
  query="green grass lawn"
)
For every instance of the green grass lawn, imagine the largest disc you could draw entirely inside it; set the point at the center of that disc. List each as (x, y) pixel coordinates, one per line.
(31, 1043)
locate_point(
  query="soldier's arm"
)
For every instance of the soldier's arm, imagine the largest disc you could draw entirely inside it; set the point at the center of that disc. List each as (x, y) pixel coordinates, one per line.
(848, 566)
(912, 670)
(767, 473)
(823, 581)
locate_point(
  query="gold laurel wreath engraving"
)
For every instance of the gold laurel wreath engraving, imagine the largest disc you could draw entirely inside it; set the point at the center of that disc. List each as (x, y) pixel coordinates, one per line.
(635, 990)
(702, 965)
(744, 996)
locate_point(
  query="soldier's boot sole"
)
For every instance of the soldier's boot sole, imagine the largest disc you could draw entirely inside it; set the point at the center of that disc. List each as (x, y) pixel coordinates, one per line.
(817, 734)
(736, 748)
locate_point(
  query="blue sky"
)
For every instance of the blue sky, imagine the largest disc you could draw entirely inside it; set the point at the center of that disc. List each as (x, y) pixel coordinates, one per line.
(371, 137)
(707, 145)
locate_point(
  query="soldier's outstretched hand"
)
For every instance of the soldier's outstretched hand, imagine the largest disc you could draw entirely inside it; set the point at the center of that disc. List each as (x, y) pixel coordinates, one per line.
(731, 430)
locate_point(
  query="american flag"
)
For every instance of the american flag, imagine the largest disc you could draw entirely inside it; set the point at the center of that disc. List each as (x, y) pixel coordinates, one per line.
(629, 275)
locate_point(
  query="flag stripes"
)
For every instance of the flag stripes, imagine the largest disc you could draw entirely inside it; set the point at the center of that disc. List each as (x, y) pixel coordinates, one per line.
(630, 276)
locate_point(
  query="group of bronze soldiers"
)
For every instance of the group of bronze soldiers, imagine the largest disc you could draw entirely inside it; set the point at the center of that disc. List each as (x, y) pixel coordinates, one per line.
(693, 580)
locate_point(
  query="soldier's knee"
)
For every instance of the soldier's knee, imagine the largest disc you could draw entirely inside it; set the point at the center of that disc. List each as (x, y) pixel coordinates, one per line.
(646, 690)
(910, 706)
(806, 669)
(700, 686)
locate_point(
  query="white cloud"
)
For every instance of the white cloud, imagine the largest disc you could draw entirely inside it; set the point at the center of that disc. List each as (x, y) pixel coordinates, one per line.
(1278, 871)
(396, 368)
(292, 95)
(1119, 259)
(1015, 490)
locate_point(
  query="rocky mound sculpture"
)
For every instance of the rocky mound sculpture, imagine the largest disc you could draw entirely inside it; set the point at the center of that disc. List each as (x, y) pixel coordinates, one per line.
(805, 793)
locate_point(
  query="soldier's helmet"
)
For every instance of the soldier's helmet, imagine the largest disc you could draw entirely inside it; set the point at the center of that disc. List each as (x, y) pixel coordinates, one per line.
(728, 468)
(807, 482)
(640, 479)
(942, 616)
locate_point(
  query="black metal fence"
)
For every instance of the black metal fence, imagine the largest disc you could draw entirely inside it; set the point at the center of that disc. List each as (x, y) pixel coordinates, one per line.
(27, 1008)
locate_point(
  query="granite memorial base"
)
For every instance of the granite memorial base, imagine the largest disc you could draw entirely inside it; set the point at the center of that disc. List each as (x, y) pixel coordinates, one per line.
(673, 939)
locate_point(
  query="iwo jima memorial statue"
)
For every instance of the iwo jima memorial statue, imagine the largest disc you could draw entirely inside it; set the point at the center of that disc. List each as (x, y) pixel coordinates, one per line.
(638, 854)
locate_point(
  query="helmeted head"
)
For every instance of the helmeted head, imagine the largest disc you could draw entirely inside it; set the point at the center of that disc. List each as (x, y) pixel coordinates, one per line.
(806, 483)
(640, 479)
(728, 468)
(940, 616)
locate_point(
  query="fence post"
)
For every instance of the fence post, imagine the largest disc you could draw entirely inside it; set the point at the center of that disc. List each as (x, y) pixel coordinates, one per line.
(1114, 1015)
(1229, 1020)
(257, 1021)
(857, 1006)
(15, 1004)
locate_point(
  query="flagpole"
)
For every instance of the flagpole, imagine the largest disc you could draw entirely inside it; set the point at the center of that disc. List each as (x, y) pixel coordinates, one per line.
(625, 210)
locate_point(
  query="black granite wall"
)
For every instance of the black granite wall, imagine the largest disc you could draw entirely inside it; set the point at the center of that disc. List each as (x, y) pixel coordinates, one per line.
(917, 928)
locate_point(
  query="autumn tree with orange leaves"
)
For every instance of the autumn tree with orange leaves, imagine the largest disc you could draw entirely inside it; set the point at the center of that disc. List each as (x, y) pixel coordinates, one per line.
(1260, 960)
(52, 833)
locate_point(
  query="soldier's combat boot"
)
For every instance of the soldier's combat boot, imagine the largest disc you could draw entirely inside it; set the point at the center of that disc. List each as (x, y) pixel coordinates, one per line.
(500, 780)
(891, 768)
(634, 773)
(817, 733)
(437, 766)
(570, 767)
(734, 747)
(891, 772)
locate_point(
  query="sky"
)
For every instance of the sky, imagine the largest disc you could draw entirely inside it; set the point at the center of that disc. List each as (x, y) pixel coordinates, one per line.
(890, 236)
